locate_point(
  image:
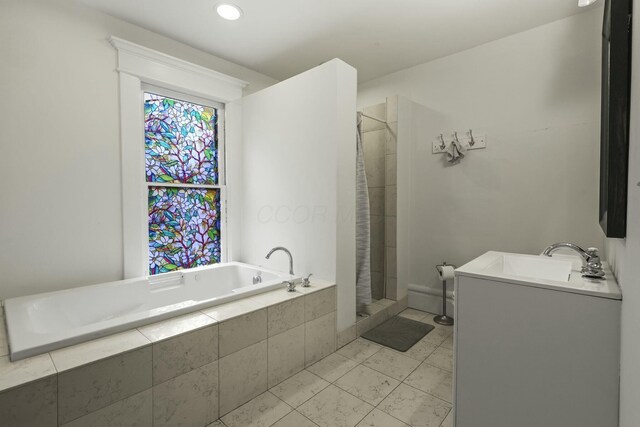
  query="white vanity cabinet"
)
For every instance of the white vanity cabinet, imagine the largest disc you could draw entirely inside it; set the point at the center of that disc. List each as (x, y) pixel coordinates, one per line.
(533, 352)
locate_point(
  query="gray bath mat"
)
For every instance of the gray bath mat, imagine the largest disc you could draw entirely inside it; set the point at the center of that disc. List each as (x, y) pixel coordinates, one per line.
(399, 333)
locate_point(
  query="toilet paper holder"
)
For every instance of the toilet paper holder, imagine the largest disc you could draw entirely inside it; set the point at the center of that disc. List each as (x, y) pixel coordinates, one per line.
(443, 319)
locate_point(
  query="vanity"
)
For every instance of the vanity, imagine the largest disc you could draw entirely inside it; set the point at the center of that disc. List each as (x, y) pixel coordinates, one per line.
(536, 344)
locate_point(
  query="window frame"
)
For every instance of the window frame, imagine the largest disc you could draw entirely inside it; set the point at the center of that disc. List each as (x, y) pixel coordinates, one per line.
(220, 186)
(137, 67)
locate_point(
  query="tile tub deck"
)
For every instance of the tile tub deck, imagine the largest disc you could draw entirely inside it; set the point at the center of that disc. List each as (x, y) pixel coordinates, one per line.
(188, 370)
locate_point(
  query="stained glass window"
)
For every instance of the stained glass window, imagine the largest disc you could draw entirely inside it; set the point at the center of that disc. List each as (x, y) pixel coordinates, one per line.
(184, 228)
(181, 153)
(181, 141)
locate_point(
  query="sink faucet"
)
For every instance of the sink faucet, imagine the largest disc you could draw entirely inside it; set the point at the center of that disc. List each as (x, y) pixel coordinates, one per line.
(591, 265)
(282, 248)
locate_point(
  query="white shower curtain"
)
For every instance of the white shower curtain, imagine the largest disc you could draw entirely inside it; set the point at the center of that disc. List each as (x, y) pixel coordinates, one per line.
(363, 236)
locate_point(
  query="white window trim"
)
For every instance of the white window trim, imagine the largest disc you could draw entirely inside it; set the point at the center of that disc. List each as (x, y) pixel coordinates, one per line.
(138, 67)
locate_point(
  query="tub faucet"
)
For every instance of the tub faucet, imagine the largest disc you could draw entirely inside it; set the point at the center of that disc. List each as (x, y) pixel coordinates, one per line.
(285, 250)
(591, 265)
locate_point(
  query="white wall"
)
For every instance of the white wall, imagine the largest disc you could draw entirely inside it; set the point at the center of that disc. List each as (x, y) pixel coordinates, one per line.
(297, 185)
(60, 216)
(624, 256)
(536, 97)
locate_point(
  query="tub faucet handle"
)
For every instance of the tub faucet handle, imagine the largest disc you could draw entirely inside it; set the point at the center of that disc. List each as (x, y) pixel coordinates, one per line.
(306, 282)
(291, 285)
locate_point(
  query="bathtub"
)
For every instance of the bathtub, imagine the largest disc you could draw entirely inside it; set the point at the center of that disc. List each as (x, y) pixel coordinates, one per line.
(44, 322)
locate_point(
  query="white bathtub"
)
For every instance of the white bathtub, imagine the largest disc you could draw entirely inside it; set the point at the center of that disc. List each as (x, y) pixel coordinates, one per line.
(40, 323)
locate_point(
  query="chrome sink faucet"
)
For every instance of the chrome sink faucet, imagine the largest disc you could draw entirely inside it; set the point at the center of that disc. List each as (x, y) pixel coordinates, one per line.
(591, 265)
(285, 250)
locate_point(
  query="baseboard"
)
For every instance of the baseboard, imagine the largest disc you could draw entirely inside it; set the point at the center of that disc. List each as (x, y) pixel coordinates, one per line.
(429, 299)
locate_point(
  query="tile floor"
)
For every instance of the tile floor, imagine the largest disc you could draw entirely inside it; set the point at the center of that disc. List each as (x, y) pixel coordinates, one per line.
(362, 384)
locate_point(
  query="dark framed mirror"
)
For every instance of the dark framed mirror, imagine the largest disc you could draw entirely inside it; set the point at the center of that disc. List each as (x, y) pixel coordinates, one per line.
(614, 132)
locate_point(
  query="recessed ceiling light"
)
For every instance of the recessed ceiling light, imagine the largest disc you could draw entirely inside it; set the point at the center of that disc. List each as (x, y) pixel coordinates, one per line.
(228, 11)
(583, 3)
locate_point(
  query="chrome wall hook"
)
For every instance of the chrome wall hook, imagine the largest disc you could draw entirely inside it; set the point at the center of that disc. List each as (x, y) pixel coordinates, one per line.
(443, 145)
(472, 141)
(455, 135)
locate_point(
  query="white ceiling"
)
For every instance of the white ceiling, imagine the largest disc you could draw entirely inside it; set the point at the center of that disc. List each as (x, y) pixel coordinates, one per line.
(281, 38)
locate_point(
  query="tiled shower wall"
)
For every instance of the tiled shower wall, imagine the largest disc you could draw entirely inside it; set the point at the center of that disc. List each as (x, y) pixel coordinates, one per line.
(391, 199)
(379, 142)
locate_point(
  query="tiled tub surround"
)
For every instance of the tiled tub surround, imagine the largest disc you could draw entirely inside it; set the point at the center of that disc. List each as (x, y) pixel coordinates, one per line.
(185, 371)
(52, 320)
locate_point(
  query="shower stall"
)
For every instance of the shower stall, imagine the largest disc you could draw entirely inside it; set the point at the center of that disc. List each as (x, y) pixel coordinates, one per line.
(379, 141)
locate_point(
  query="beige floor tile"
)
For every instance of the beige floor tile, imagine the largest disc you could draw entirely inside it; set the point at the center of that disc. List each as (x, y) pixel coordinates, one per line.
(441, 358)
(415, 407)
(435, 381)
(392, 363)
(448, 422)
(359, 350)
(299, 388)
(439, 334)
(420, 350)
(377, 418)
(448, 343)
(411, 313)
(261, 411)
(367, 384)
(332, 367)
(217, 423)
(295, 419)
(333, 407)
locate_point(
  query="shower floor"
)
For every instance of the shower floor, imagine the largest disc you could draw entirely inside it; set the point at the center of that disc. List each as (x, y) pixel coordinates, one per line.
(363, 384)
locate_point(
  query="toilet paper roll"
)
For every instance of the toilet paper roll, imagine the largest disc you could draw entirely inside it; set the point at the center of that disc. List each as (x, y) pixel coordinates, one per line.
(446, 272)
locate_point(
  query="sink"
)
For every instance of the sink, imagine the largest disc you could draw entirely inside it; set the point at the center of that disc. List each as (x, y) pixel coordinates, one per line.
(535, 267)
(560, 272)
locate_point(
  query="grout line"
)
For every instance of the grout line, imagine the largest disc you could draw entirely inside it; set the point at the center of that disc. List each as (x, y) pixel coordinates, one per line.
(430, 395)
(359, 398)
(403, 382)
(321, 390)
(443, 420)
(307, 418)
(292, 408)
(329, 383)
